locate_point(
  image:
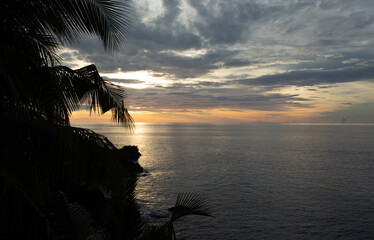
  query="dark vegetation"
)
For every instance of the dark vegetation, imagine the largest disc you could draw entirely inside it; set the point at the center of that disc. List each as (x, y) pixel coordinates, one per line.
(57, 181)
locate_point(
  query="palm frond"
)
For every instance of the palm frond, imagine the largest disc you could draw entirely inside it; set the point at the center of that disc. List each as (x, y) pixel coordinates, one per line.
(82, 221)
(63, 90)
(28, 59)
(23, 206)
(107, 19)
(21, 55)
(189, 203)
(68, 20)
(101, 95)
(56, 97)
(72, 220)
(122, 215)
(156, 232)
(121, 115)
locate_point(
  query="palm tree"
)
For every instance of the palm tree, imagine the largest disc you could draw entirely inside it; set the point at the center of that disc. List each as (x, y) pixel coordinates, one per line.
(32, 32)
(56, 181)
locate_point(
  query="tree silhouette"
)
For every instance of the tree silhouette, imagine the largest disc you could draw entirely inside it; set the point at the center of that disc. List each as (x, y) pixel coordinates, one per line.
(33, 30)
(56, 181)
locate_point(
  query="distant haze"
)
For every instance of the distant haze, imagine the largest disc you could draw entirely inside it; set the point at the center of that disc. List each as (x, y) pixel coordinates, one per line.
(242, 61)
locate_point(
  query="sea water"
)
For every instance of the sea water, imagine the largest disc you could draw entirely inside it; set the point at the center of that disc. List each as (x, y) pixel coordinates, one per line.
(263, 181)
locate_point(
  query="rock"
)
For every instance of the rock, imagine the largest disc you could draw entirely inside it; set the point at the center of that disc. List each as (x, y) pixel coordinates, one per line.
(131, 155)
(131, 152)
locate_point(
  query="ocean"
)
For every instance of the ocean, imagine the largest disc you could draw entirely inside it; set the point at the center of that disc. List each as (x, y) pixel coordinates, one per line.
(263, 181)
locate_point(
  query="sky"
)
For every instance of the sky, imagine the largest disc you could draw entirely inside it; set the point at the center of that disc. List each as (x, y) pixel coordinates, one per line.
(241, 61)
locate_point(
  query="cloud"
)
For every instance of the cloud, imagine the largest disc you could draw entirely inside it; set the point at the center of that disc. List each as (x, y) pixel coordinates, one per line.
(240, 53)
(195, 97)
(224, 22)
(131, 81)
(313, 77)
(237, 34)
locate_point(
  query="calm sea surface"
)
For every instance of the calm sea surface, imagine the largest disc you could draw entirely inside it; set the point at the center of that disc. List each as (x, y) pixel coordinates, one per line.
(263, 181)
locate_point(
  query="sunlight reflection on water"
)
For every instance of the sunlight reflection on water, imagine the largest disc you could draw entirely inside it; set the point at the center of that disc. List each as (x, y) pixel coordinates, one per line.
(263, 181)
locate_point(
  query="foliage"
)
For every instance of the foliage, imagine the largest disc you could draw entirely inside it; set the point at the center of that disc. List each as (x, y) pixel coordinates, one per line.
(56, 181)
(43, 163)
(186, 204)
(33, 31)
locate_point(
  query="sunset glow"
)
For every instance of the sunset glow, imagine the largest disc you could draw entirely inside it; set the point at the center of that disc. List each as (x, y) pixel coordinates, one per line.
(183, 63)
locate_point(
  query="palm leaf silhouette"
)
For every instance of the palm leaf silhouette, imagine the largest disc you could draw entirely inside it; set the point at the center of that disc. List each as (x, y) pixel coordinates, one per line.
(68, 20)
(65, 90)
(34, 30)
(187, 203)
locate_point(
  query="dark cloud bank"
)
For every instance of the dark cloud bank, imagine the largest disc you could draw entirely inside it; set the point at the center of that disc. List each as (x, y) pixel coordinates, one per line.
(308, 43)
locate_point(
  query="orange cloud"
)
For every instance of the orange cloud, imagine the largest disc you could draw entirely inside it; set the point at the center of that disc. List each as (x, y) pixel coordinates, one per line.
(208, 116)
(85, 116)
